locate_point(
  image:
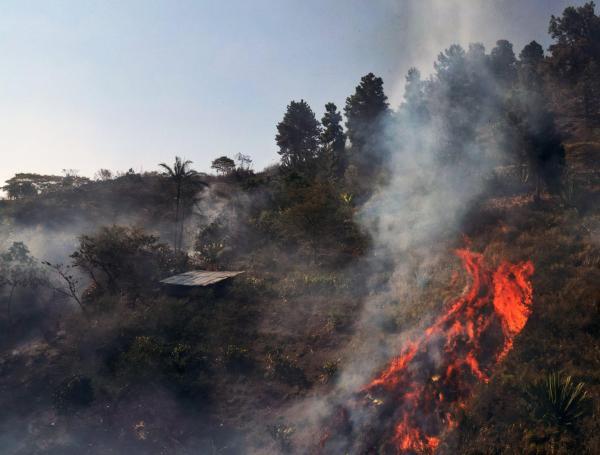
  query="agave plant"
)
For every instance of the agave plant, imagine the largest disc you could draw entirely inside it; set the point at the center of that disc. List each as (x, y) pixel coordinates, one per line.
(559, 400)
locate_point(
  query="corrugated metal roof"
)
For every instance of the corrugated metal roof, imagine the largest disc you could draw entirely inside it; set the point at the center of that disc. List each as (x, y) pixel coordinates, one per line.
(199, 278)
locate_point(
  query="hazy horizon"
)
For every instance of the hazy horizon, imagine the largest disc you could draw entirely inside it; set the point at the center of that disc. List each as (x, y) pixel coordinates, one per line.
(119, 85)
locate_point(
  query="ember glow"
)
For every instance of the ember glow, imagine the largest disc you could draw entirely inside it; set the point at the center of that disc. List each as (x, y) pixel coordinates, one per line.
(421, 390)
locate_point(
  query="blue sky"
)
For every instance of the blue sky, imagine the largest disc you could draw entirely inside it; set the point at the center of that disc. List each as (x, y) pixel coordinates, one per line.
(130, 83)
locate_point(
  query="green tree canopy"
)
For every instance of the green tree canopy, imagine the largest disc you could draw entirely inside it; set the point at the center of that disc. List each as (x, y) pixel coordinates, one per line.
(531, 59)
(414, 97)
(298, 137)
(333, 140)
(364, 109)
(223, 165)
(30, 184)
(503, 63)
(577, 39)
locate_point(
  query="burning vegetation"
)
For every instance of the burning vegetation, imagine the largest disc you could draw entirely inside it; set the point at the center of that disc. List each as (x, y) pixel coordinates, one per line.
(359, 325)
(413, 402)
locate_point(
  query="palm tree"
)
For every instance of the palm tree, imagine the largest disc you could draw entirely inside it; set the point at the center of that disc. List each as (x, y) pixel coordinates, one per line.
(181, 175)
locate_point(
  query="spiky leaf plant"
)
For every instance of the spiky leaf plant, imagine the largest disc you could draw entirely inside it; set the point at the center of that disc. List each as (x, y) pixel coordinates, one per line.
(559, 400)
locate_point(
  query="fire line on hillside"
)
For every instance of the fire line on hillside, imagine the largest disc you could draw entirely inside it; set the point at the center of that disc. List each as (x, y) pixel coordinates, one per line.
(412, 403)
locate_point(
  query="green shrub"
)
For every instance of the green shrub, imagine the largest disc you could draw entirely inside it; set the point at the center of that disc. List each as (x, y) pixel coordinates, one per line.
(143, 356)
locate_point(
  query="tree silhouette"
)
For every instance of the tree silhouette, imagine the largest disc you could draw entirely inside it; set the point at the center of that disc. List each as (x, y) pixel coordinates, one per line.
(577, 39)
(364, 108)
(414, 97)
(333, 141)
(540, 140)
(503, 63)
(223, 165)
(366, 111)
(298, 138)
(184, 178)
(575, 54)
(530, 63)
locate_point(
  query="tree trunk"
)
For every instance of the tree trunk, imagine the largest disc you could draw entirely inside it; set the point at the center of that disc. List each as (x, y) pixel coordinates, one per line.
(177, 203)
(9, 308)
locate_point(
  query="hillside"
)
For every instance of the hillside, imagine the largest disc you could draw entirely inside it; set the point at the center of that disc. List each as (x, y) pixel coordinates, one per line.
(424, 279)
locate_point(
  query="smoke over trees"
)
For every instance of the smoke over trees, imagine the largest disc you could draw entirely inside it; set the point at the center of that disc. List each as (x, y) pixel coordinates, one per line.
(366, 113)
(186, 185)
(344, 245)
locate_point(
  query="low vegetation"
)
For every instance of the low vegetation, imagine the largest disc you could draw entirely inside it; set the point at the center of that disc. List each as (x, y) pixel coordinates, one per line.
(94, 346)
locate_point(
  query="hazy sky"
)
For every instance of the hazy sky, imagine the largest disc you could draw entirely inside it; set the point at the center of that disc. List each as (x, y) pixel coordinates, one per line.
(130, 83)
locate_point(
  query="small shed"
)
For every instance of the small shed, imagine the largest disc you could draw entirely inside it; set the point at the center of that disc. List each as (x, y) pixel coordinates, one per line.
(197, 278)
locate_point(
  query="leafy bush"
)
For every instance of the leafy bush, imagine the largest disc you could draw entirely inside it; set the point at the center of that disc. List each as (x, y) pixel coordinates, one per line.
(143, 356)
(119, 258)
(559, 400)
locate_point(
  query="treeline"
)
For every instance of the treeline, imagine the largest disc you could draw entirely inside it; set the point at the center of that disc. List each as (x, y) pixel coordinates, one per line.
(477, 111)
(472, 99)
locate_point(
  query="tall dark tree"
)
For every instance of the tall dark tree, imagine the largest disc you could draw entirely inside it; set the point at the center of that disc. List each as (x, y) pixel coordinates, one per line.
(298, 138)
(484, 98)
(575, 55)
(532, 54)
(577, 39)
(366, 111)
(539, 140)
(530, 64)
(333, 141)
(451, 72)
(414, 97)
(454, 104)
(503, 63)
(185, 180)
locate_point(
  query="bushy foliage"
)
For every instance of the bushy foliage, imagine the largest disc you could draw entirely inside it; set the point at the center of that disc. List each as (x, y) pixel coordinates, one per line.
(22, 282)
(119, 258)
(26, 185)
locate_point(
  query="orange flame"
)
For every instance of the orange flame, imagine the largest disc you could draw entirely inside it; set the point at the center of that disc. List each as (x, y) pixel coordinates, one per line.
(436, 373)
